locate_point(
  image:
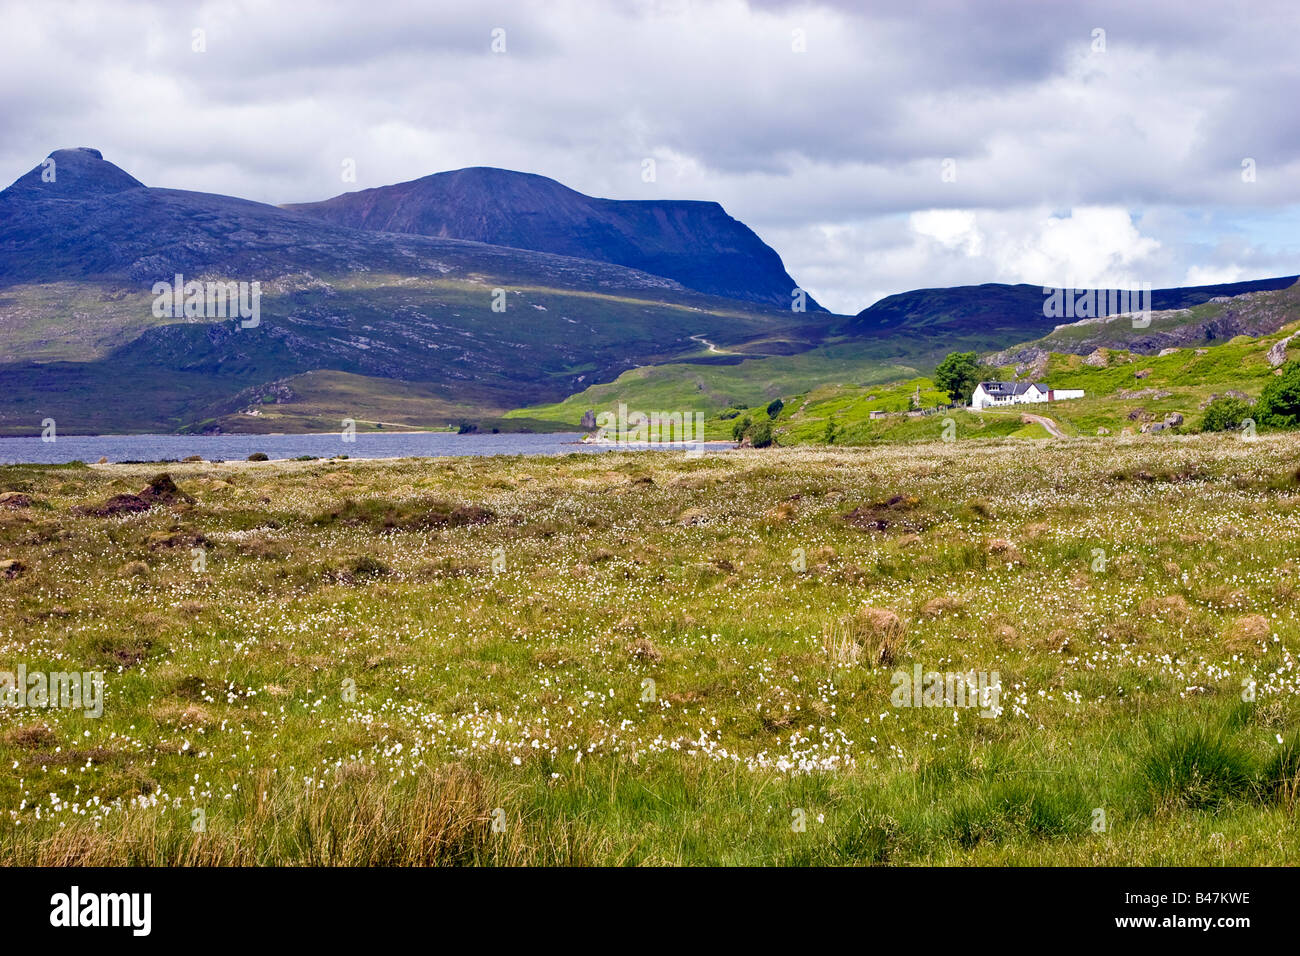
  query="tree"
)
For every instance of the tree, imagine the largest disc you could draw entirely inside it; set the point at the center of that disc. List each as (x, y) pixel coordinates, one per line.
(958, 375)
(1225, 414)
(738, 430)
(1279, 403)
(774, 408)
(832, 431)
(761, 435)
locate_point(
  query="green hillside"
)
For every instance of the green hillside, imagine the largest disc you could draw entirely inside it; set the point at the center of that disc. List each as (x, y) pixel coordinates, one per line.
(1125, 393)
(1130, 390)
(714, 388)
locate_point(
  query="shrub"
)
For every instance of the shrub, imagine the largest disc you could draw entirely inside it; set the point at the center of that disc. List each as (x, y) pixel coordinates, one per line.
(258, 456)
(774, 408)
(1279, 403)
(1225, 414)
(760, 436)
(743, 425)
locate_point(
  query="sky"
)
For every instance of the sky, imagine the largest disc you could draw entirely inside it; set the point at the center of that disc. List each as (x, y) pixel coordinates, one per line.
(878, 147)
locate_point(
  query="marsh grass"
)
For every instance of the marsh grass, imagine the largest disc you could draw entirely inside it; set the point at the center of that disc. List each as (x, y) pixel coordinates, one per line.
(619, 653)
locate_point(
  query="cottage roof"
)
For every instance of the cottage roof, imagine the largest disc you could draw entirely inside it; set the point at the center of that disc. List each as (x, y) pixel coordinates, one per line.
(1011, 388)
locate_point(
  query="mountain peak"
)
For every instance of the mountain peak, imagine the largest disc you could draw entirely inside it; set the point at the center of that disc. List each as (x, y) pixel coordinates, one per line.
(694, 243)
(76, 173)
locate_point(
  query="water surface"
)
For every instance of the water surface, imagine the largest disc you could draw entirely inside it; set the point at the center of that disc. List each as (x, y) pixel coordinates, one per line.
(90, 448)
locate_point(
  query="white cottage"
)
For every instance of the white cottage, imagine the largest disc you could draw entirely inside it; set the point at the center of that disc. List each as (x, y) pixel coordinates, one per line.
(994, 394)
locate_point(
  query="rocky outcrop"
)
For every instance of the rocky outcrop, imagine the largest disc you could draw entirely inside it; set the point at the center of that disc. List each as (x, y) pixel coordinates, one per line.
(1277, 354)
(1213, 321)
(1230, 393)
(1152, 394)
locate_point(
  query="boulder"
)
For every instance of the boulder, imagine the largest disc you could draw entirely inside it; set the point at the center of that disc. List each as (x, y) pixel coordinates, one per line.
(1142, 373)
(1096, 358)
(1277, 354)
(1173, 420)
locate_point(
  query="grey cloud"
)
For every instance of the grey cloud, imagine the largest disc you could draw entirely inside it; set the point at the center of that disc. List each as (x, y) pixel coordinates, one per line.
(849, 135)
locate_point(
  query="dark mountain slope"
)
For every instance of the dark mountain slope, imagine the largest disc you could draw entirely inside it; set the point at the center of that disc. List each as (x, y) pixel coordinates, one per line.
(97, 221)
(995, 310)
(88, 247)
(695, 243)
(1217, 320)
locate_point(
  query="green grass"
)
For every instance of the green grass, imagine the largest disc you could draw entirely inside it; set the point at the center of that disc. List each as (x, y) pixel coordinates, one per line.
(379, 660)
(710, 389)
(1116, 399)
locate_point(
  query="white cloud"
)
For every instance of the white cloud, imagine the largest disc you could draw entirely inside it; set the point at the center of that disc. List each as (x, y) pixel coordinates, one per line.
(1212, 275)
(1069, 162)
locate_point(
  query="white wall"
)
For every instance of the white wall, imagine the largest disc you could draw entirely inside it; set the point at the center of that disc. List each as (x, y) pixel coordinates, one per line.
(981, 399)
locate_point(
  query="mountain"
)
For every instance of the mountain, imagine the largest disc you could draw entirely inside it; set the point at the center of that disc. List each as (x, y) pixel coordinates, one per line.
(978, 314)
(695, 243)
(74, 174)
(401, 327)
(907, 334)
(1215, 320)
(401, 314)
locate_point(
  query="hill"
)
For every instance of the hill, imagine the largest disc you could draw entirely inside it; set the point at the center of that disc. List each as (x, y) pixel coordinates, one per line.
(1126, 394)
(694, 243)
(1216, 320)
(965, 316)
(80, 341)
(371, 312)
(908, 335)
